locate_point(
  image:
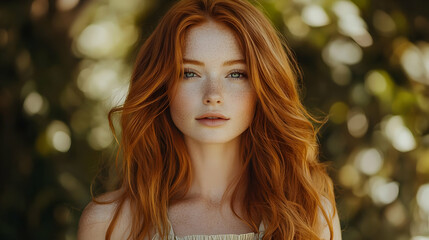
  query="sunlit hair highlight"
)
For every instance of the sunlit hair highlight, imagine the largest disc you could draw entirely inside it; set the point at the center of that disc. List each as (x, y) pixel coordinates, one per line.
(284, 183)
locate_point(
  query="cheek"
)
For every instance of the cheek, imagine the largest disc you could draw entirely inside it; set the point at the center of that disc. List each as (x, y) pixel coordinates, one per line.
(182, 104)
(246, 106)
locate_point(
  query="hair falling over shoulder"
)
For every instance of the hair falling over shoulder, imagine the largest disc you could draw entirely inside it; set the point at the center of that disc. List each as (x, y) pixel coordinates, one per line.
(286, 183)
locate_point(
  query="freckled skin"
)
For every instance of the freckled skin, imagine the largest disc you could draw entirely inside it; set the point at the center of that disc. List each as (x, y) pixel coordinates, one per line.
(213, 87)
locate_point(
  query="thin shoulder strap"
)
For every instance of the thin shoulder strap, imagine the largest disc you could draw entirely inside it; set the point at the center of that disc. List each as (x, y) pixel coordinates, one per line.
(262, 227)
(171, 233)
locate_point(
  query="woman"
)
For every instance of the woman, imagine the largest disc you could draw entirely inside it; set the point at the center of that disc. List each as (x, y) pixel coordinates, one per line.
(216, 143)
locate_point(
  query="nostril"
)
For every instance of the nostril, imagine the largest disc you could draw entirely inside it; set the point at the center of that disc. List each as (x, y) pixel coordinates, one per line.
(210, 100)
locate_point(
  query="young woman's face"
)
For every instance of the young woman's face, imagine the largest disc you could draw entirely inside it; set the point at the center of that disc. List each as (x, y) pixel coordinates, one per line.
(214, 85)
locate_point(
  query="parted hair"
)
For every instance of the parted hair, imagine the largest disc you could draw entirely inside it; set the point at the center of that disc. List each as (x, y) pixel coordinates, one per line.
(283, 181)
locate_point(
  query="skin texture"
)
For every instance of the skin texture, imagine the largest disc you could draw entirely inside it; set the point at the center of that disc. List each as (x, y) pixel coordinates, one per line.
(212, 87)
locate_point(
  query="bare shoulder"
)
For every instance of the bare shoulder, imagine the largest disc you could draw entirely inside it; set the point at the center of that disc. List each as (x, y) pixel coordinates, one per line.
(96, 218)
(325, 234)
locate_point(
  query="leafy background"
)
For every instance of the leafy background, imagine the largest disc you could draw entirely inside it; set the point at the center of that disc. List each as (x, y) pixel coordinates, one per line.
(65, 63)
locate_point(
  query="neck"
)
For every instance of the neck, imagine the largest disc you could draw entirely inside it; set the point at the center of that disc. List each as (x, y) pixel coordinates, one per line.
(214, 167)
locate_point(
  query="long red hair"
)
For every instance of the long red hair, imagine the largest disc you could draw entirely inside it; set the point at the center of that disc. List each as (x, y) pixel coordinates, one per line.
(286, 184)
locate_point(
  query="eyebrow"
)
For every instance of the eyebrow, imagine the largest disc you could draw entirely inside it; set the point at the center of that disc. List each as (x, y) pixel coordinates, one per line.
(227, 63)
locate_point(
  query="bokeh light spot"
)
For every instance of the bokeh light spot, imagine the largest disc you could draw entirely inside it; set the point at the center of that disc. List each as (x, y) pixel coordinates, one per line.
(33, 103)
(296, 26)
(338, 112)
(61, 141)
(97, 40)
(342, 51)
(100, 137)
(376, 83)
(357, 124)
(369, 161)
(102, 80)
(420, 238)
(396, 214)
(348, 176)
(399, 135)
(58, 135)
(315, 16)
(341, 74)
(345, 8)
(66, 5)
(423, 197)
(383, 192)
(39, 8)
(412, 62)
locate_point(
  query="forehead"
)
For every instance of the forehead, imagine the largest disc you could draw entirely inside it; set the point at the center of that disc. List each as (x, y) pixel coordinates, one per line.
(211, 41)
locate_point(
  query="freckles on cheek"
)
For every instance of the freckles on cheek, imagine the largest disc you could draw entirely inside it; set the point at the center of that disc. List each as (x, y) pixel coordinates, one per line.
(247, 98)
(181, 106)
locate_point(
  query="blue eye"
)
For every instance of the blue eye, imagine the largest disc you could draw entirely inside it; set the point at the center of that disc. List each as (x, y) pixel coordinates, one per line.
(189, 74)
(238, 74)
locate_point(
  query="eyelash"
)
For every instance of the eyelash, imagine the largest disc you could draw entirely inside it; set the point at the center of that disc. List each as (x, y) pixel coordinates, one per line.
(243, 74)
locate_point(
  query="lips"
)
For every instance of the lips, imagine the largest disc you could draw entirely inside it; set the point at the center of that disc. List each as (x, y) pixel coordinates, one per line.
(212, 120)
(212, 116)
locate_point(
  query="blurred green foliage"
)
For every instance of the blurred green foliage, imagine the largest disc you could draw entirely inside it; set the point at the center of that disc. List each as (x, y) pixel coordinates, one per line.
(65, 63)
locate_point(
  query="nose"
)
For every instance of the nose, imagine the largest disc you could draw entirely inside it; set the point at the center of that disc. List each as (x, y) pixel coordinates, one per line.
(213, 93)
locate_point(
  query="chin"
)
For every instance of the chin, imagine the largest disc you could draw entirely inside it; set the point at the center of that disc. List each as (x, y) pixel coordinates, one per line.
(212, 139)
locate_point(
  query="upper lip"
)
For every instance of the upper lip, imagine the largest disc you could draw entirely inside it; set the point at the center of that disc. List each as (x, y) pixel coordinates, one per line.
(206, 115)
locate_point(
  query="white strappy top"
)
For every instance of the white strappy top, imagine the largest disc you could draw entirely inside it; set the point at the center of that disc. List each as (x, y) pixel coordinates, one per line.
(244, 236)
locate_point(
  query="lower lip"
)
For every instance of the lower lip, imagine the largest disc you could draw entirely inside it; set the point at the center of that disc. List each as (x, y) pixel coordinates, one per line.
(212, 122)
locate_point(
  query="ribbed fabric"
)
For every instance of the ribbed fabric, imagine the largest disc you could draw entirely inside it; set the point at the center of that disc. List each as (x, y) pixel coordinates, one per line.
(244, 236)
